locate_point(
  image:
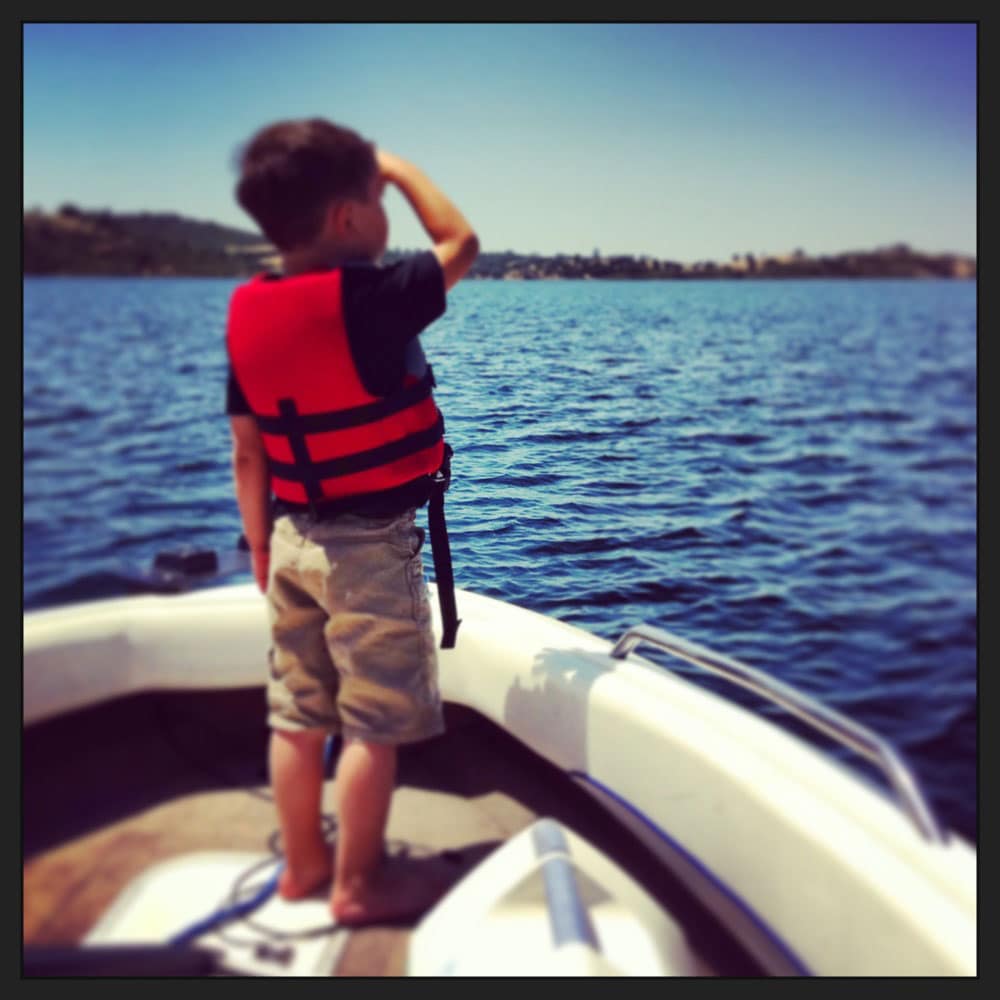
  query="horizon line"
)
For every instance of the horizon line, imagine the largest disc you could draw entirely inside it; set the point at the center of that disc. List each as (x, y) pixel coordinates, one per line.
(25, 210)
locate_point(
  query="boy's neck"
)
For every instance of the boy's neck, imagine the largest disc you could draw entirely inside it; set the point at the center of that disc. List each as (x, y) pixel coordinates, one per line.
(312, 259)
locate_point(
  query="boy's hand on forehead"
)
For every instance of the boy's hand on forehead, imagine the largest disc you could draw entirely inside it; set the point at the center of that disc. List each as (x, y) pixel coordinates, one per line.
(387, 164)
(455, 242)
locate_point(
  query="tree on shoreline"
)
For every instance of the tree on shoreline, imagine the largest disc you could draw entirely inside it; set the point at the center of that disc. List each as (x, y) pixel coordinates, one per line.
(77, 241)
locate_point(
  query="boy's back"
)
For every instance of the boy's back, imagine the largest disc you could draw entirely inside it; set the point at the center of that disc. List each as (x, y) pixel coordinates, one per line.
(355, 381)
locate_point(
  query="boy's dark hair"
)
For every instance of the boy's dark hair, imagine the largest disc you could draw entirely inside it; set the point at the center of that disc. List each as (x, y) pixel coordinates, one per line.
(290, 172)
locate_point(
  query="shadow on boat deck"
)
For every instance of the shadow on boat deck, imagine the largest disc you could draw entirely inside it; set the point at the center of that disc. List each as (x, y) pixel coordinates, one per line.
(110, 789)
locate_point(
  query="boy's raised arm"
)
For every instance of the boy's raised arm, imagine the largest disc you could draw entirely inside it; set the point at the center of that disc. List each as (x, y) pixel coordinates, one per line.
(455, 243)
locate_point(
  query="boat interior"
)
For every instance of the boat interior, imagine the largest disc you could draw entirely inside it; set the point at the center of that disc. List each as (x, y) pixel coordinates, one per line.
(113, 789)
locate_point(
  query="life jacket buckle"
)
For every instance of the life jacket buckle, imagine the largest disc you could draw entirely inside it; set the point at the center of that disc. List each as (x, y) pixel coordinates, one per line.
(442, 477)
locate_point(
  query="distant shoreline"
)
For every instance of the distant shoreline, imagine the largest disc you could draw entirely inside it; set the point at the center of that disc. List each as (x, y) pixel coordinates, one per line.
(74, 242)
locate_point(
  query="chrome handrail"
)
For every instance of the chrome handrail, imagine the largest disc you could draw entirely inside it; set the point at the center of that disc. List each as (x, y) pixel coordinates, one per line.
(842, 729)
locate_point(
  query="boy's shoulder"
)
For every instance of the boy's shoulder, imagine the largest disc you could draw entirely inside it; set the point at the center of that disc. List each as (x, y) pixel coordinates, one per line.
(384, 309)
(421, 263)
(414, 285)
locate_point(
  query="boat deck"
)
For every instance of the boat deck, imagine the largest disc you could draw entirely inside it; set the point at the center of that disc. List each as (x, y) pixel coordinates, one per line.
(112, 790)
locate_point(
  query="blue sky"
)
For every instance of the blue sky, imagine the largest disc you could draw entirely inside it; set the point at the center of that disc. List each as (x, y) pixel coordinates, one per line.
(683, 141)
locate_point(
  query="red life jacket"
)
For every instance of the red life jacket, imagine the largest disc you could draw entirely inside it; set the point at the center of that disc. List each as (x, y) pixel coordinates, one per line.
(325, 436)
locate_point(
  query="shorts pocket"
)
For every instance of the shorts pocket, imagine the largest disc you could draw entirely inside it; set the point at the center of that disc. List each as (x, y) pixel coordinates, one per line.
(417, 538)
(408, 537)
(418, 589)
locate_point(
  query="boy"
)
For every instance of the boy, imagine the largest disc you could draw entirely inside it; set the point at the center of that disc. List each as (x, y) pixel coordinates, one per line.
(331, 411)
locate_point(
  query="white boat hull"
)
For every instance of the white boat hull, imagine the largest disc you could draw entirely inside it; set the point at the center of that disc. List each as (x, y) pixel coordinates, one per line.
(814, 870)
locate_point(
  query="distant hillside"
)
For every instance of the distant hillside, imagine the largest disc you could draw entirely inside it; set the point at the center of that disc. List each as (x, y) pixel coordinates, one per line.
(897, 261)
(73, 241)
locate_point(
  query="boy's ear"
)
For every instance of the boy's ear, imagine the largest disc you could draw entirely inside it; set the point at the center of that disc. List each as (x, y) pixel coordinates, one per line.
(339, 219)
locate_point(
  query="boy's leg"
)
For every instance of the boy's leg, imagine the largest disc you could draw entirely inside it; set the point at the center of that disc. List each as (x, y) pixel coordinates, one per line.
(379, 634)
(296, 763)
(368, 887)
(366, 777)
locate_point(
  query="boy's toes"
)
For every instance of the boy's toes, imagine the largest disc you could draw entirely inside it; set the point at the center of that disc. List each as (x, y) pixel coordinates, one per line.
(291, 886)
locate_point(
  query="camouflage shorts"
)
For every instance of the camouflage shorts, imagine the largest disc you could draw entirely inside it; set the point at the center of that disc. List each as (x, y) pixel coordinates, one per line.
(352, 647)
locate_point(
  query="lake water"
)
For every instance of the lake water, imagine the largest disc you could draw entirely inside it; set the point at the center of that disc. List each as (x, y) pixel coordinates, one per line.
(783, 471)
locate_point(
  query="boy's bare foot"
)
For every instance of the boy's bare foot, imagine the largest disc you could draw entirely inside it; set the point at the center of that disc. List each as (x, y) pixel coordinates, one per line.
(401, 889)
(296, 885)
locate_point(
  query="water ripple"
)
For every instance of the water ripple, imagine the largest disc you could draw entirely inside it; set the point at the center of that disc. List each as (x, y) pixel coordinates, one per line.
(785, 473)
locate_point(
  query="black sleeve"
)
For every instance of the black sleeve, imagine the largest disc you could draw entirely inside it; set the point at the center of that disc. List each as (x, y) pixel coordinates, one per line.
(236, 402)
(384, 309)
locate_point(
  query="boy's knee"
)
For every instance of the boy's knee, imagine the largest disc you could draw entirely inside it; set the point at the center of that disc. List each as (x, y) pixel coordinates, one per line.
(300, 737)
(374, 748)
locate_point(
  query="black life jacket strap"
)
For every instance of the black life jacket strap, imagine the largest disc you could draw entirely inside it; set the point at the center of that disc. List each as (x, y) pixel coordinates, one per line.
(441, 551)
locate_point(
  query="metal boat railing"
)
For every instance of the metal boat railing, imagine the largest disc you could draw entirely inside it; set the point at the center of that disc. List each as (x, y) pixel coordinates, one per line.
(840, 728)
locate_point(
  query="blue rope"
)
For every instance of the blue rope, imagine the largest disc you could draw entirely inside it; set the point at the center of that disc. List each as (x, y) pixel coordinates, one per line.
(260, 897)
(240, 909)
